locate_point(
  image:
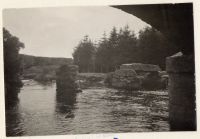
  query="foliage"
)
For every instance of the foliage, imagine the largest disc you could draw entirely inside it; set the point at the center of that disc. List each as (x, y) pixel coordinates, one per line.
(29, 61)
(123, 46)
(103, 57)
(11, 47)
(41, 69)
(153, 47)
(127, 47)
(84, 55)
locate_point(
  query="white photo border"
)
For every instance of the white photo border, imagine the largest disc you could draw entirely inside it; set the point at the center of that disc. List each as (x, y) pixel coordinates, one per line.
(62, 3)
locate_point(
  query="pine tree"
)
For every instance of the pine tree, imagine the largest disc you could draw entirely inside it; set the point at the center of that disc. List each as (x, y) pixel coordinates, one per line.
(84, 55)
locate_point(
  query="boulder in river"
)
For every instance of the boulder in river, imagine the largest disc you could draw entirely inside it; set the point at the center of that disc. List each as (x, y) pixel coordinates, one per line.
(88, 80)
(125, 79)
(140, 68)
(152, 81)
(151, 76)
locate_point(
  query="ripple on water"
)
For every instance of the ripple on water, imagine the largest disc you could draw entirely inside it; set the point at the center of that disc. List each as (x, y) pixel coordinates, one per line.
(92, 111)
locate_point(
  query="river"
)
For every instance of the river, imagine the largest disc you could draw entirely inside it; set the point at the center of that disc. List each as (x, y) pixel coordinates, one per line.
(95, 110)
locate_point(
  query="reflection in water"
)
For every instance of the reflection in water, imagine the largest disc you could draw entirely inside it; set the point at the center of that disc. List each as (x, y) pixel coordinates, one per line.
(65, 102)
(42, 111)
(13, 116)
(14, 120)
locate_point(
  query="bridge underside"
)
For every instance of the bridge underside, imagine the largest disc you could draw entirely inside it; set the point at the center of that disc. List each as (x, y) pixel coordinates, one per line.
(175, 21)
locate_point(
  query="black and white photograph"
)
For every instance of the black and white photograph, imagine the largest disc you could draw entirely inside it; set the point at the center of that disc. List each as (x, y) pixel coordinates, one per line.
(93, 69)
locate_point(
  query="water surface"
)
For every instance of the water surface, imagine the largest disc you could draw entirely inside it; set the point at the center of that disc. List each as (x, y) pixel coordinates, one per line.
(41, 112)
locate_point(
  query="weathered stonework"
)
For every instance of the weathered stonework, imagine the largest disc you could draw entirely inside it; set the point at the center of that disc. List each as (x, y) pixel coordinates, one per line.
(65, 79)
(175, 21)
(182, 113)
(125, 79)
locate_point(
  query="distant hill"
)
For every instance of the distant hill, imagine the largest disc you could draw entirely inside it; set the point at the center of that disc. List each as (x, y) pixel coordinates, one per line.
(28, 60)
(41, 68)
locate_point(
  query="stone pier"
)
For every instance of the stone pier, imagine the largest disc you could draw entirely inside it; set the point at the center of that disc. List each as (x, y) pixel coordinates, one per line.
(65, 79)
(175, 21)
(182, 106)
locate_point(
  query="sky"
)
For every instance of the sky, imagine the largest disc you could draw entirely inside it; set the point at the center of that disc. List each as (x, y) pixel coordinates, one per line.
(55, 32)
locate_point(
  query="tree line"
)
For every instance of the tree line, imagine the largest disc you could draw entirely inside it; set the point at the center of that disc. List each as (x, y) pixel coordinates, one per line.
(122, 46)
(11, 47)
